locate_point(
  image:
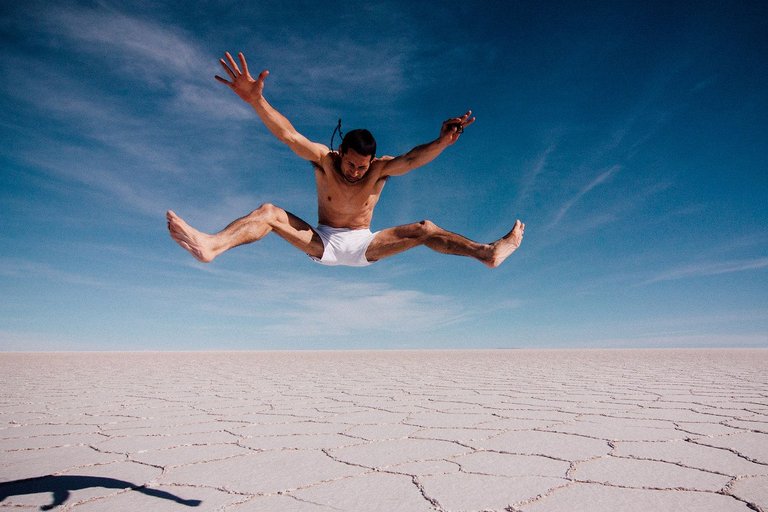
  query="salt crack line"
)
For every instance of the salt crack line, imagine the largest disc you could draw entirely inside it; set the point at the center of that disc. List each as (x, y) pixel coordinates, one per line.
(732, 450)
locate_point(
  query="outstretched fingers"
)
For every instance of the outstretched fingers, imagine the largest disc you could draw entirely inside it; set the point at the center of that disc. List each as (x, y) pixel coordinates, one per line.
(238, 74)
(231, 68)
(244, 64)
(462, 122)
(232, 63)
(467, 119)
(456, 125)
(228, 71)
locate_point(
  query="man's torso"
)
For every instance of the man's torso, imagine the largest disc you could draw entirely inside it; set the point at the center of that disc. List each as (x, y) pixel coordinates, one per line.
(342, 204)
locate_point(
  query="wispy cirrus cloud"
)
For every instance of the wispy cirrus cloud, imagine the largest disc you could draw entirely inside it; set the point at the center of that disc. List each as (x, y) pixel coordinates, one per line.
(129, 148)
(326, 76)
(297, 304)
(598, 180)
(170, 75)
(133, 43)
(709, 269)
(162, 57)
(301, 305)
(531, 176)
(13, 268)
(383, 311)
(311, 69)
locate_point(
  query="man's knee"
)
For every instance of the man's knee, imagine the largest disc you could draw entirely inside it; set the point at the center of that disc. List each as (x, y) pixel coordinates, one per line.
(266, 211)
(426, 228)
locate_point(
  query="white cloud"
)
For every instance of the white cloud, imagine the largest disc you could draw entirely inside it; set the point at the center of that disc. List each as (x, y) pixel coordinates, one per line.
(98, 171)
(13, 268)
(531, 176)
(309, 306)
(377, 310)
(134, 153)
(279, 306)
(709, 269)
(598, 180)
(318, 72)
(160, 56)
(131, 42)
(218, 103)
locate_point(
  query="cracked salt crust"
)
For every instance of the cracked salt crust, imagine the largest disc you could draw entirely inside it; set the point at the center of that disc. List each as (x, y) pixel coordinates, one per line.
(470, 491)
(382, 432)
(17, 465)
(132, 501)
(752, 489)
(372, 492)
(690, 455)
(557, 445)
(299, 442)
(503, 464)
(186, 455)
(749, 445)
(502, 431)
(461, 435)
(263, 472)
(387, 453)
(647, 474)
(601, 497)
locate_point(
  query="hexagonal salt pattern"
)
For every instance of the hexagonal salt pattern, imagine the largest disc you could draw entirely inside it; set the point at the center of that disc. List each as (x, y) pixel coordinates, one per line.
(445, 431)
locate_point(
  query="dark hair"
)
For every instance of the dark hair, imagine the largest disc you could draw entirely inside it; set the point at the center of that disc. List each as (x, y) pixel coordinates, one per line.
(361, 141)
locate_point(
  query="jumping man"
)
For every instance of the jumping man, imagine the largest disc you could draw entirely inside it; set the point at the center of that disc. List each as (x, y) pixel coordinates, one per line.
(349, 183)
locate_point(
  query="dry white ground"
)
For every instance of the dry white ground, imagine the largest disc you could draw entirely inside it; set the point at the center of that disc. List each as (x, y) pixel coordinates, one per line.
(516, 430)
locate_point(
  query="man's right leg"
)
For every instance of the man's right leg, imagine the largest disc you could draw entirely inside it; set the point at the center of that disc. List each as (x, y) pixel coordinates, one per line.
(254, 226)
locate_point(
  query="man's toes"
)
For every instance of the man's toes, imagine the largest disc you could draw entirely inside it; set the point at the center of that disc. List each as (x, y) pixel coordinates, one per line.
(180, 238)
(176, 229)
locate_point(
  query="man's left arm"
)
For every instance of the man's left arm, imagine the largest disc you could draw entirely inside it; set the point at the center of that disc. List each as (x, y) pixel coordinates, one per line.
(425, 153)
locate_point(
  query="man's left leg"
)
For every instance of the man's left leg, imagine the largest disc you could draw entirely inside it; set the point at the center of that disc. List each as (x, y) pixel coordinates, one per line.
(389, 242)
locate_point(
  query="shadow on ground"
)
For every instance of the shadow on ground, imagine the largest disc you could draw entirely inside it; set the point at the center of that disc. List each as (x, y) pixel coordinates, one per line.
(61, 486)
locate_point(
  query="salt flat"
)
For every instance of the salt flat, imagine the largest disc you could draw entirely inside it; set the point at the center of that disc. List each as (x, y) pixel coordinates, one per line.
(512, 430)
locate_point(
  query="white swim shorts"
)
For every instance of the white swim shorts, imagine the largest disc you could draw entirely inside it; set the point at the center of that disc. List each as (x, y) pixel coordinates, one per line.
(344, 246)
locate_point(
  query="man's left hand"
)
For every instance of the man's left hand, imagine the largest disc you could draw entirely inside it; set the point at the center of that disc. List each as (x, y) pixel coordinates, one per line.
(454, 127)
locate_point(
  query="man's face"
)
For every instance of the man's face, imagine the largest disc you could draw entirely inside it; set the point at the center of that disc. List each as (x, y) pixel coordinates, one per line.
(354, 165)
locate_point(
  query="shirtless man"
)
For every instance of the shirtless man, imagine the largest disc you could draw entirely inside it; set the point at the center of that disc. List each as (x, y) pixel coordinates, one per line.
(349, 184)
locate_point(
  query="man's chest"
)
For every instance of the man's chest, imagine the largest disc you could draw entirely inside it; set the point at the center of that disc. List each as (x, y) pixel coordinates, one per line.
(336, 194)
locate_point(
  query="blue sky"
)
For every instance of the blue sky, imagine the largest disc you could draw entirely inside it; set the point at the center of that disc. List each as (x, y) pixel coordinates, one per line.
(629, 137)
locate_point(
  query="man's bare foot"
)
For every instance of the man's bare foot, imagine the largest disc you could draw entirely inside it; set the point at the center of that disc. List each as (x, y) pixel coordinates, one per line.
(506, 245)
(196, 242)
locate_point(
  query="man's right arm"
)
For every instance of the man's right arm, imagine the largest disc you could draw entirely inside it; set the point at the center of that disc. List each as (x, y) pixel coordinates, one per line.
(250, 91)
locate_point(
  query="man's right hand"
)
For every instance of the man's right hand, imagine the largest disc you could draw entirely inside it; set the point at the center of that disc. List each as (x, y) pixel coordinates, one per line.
(242, 83)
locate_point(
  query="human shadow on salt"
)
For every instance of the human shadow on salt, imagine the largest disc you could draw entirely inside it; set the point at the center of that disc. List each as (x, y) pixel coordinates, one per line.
(62, 486)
